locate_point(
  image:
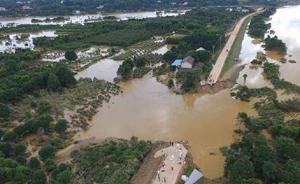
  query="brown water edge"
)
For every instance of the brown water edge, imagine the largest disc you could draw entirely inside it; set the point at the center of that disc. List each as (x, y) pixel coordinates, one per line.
(285, 23)
(148, 110)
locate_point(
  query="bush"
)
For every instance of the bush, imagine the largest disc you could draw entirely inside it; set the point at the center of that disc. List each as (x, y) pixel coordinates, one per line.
(10, 136)
(34, 163)
(47, 152)
(71, 55)
(43, 107)
(53, 83)
(190, 81)
(50, 165)
(61, 126)
(4, 111)
(38, 177)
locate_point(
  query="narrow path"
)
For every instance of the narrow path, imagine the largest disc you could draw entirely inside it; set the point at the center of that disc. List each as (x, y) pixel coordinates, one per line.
(170, 170)
(217, 69)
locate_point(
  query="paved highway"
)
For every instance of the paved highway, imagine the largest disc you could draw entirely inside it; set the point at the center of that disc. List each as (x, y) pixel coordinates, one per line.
(217, 69)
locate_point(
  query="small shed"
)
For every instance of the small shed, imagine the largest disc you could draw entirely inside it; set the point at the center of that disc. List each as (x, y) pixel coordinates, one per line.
(177, 63)
(200, 49)
(188, 62)
(194, 177)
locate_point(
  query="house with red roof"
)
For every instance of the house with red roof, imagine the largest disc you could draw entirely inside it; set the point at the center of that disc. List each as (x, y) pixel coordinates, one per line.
(188, 62)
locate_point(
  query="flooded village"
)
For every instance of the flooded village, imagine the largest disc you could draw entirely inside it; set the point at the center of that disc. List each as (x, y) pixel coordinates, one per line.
(169, 134)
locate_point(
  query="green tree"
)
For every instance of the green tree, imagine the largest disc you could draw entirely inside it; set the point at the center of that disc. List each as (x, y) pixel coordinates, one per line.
(242, 168)
(269, 171)
(9, 136)
(53, 83)
(5, 148)
(4, 111)
(291, 172)
(44, 107)
(170, 83)
(1, 133)
(189, 82)
(47, 152)
(38, 177)
(287, 148)
(50, 165)
(65, 75)
(61, 126)
(250, 181)
(63, 177)
(20, 149)
(22, 174)
(125, 69)
(245, 78)
(71, 55)
(34, 163)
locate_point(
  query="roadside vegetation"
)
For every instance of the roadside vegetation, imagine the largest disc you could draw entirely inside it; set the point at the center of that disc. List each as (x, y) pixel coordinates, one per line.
(269, 148)
(258, 26)
(202, 44)
(236, 47)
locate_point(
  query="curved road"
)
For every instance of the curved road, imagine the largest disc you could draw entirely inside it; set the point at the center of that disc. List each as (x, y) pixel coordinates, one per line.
(217, 69)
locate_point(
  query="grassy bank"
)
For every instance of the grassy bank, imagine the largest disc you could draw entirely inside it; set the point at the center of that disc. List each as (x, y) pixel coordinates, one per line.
(236, 47)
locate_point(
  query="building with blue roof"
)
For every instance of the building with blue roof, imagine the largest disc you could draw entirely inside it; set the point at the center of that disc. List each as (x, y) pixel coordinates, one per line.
(177, 63)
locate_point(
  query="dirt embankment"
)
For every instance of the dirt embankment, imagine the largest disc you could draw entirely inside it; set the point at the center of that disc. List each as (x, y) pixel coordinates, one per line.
(150, 165)
(220, 85)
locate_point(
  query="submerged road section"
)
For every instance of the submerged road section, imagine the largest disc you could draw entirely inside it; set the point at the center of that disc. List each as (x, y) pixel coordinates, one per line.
(217, 69)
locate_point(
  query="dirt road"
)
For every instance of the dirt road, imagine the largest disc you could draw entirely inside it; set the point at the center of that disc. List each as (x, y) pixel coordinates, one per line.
(217, 69)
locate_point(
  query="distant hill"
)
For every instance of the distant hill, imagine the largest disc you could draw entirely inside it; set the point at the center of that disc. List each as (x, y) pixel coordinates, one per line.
(67, 7)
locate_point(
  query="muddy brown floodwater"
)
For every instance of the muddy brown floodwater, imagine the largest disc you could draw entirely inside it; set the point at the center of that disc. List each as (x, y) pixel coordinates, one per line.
(148, 110)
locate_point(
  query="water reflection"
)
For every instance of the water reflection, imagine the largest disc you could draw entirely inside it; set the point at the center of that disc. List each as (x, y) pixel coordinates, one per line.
(105, 69)
(286, 24)
(82, 19)
(15, 41)
(164, 49)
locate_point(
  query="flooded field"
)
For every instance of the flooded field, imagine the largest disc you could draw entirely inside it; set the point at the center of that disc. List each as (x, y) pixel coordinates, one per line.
(286, 24)
(164, 49)
(22, 41)
(82, 19)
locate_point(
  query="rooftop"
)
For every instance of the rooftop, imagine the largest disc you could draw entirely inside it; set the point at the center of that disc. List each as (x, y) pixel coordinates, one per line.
(177, 62)
(189, 59)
